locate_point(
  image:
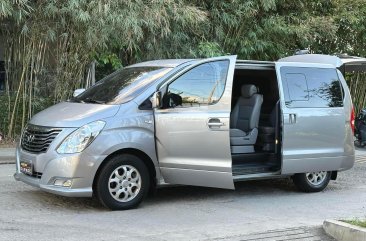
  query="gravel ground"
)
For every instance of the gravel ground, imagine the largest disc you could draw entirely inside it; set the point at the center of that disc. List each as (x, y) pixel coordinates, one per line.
(257, 210)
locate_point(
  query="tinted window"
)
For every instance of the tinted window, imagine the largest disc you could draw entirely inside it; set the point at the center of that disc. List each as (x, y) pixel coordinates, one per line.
(311, 87)
(122, 85)
(298, 87)
(201, 86)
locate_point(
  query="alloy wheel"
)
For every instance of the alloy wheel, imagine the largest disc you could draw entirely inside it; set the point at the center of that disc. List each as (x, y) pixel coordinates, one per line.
(124, 183)
(316, 178)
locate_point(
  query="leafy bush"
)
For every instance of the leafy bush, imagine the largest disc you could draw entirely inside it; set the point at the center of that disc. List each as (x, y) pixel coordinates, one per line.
(21, 112)
(50, 44)
(357, 222)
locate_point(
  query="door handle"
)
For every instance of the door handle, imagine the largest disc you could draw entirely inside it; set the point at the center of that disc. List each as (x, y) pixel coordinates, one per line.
(215, 122)
(292, 118)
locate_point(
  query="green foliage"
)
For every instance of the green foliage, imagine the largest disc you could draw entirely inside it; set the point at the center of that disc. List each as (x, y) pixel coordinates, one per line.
(109, 58)
(3, 113)
(16, 10)
(209, 49)
(265, 30)
(6, 101)
(51, 43)
(356, 222)
(107, 63)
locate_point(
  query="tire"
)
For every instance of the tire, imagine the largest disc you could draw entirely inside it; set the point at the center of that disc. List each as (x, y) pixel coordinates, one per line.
(312, 181)
(123, 182)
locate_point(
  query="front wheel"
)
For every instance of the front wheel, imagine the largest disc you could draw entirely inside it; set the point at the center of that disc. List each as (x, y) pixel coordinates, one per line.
(123, 182)
(312, 181)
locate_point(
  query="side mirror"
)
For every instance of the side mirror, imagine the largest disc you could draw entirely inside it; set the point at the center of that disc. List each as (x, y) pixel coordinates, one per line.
(156, 100)
(78, 92)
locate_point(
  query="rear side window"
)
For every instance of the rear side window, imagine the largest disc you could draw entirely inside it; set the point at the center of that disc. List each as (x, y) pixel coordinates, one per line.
(311, 87)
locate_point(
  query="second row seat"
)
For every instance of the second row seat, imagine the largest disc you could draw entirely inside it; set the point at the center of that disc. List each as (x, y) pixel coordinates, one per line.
(244, 120)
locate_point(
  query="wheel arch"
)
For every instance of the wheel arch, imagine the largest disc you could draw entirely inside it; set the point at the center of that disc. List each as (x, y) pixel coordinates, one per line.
(132, 151)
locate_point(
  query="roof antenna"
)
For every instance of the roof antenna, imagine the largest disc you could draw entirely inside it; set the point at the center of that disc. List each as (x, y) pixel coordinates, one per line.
(302, 51)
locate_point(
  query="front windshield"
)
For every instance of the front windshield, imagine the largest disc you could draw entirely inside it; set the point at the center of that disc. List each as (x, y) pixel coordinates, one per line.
(121, 86)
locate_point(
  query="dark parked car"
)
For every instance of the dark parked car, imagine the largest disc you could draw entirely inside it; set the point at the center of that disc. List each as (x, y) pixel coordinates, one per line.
(360, 128)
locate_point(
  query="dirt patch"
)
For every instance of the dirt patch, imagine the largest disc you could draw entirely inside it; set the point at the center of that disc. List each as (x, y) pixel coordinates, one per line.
(7, 142)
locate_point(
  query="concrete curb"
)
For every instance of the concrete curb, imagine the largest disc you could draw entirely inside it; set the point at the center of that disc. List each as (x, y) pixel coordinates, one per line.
(7, 155)
(3, 162)
(342, 231)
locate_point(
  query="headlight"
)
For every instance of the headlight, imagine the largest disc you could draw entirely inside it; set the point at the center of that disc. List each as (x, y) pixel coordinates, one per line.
(78, 140)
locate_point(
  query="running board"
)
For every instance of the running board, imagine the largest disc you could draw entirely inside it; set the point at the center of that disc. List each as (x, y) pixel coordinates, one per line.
(258, 176)
(254, 168)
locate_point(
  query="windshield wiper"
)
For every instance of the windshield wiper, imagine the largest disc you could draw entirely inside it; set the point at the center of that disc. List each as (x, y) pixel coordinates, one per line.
(73, 99)
(89, 100)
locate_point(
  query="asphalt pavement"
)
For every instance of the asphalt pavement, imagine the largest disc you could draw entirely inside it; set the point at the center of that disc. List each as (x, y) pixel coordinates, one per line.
(7, 155)
(256, 210)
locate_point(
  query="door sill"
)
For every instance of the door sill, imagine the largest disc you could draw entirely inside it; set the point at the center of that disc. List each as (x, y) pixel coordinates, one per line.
(254, 168)
(257, 176)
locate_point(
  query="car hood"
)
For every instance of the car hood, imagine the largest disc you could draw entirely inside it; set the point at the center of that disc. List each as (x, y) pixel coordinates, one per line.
(69, 114)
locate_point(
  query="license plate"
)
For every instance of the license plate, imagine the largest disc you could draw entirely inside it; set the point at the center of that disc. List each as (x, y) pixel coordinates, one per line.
(26, 167)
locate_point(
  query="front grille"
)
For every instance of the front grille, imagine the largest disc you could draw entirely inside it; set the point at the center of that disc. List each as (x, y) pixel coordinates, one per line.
(37, 139)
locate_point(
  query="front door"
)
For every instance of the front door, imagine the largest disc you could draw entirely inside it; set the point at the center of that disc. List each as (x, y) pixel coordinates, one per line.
(192, 127)
(313, 117)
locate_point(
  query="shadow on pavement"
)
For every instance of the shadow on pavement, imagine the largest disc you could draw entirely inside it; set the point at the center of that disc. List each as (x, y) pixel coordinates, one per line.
(176, 194)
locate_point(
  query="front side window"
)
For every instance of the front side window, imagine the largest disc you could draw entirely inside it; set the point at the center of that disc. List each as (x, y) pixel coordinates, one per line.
(311, 87)
(122, 85)
(200, 86)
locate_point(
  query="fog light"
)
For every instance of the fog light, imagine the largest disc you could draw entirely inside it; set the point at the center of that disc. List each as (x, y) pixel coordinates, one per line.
(58, 182)
(63, 182)
(67, 183)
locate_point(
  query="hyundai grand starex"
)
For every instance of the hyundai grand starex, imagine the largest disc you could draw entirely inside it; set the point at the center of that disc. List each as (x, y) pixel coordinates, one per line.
(208, 122)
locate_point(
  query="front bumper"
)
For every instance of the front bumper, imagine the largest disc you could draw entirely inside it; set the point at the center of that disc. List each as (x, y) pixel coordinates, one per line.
(79, 168)
(63, 191)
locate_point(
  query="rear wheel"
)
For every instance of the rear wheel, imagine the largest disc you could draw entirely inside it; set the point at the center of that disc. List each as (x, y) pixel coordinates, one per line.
(312, 181)
(123, 182)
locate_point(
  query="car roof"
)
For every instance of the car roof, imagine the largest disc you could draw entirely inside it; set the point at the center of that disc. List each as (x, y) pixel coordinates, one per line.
(349, 63)
(169, 63)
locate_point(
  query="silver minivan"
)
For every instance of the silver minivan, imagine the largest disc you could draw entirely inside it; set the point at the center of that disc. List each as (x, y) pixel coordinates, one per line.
(208, 122)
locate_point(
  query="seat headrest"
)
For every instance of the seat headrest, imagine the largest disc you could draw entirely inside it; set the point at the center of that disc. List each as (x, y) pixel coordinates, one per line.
(248, 90)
